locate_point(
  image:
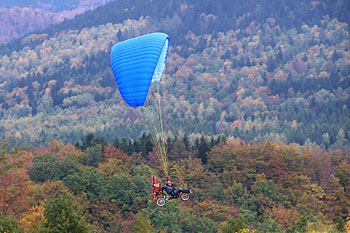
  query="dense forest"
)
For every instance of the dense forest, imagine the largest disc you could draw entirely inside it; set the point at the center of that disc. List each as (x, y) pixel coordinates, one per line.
(178, 17)
(100, 187)
(260, 83)
(257, 118)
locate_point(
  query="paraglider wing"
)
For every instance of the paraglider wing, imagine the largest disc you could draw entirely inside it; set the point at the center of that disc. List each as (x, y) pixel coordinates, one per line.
(138, 62)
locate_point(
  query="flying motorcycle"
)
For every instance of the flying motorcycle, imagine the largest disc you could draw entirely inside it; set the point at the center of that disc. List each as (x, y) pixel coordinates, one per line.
(160, 194)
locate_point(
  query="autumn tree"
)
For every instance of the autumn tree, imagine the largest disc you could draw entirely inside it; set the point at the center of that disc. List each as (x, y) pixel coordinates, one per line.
(62, 215)
(89, 181)
(32, 220)
(8, 224)
(142, 223)
(121, 191)
(14, 189)
(43, 165)
(233, 225)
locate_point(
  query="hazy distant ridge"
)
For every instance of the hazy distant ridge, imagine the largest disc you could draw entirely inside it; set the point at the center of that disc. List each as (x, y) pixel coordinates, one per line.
(18, 18)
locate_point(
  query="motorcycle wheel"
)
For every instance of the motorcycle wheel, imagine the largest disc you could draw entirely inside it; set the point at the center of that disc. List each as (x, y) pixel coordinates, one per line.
(185, 196)
(161, 201)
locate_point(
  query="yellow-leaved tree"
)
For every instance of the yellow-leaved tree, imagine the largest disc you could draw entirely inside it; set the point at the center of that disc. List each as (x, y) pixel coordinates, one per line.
(32, 220)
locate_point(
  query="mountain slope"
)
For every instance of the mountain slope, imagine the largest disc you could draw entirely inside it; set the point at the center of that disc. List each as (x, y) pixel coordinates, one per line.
(49, 5)
(19, 18)
(260, 83)
(16, 22)
(178, 17)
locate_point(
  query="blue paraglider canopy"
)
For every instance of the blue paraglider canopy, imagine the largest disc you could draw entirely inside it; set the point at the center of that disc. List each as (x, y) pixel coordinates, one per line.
(138, 62)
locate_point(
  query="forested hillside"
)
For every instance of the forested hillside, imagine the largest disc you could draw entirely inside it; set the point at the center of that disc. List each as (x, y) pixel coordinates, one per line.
(16, 22)
(257, 117)
(263, 82)
(177, 17)
(237, 188)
